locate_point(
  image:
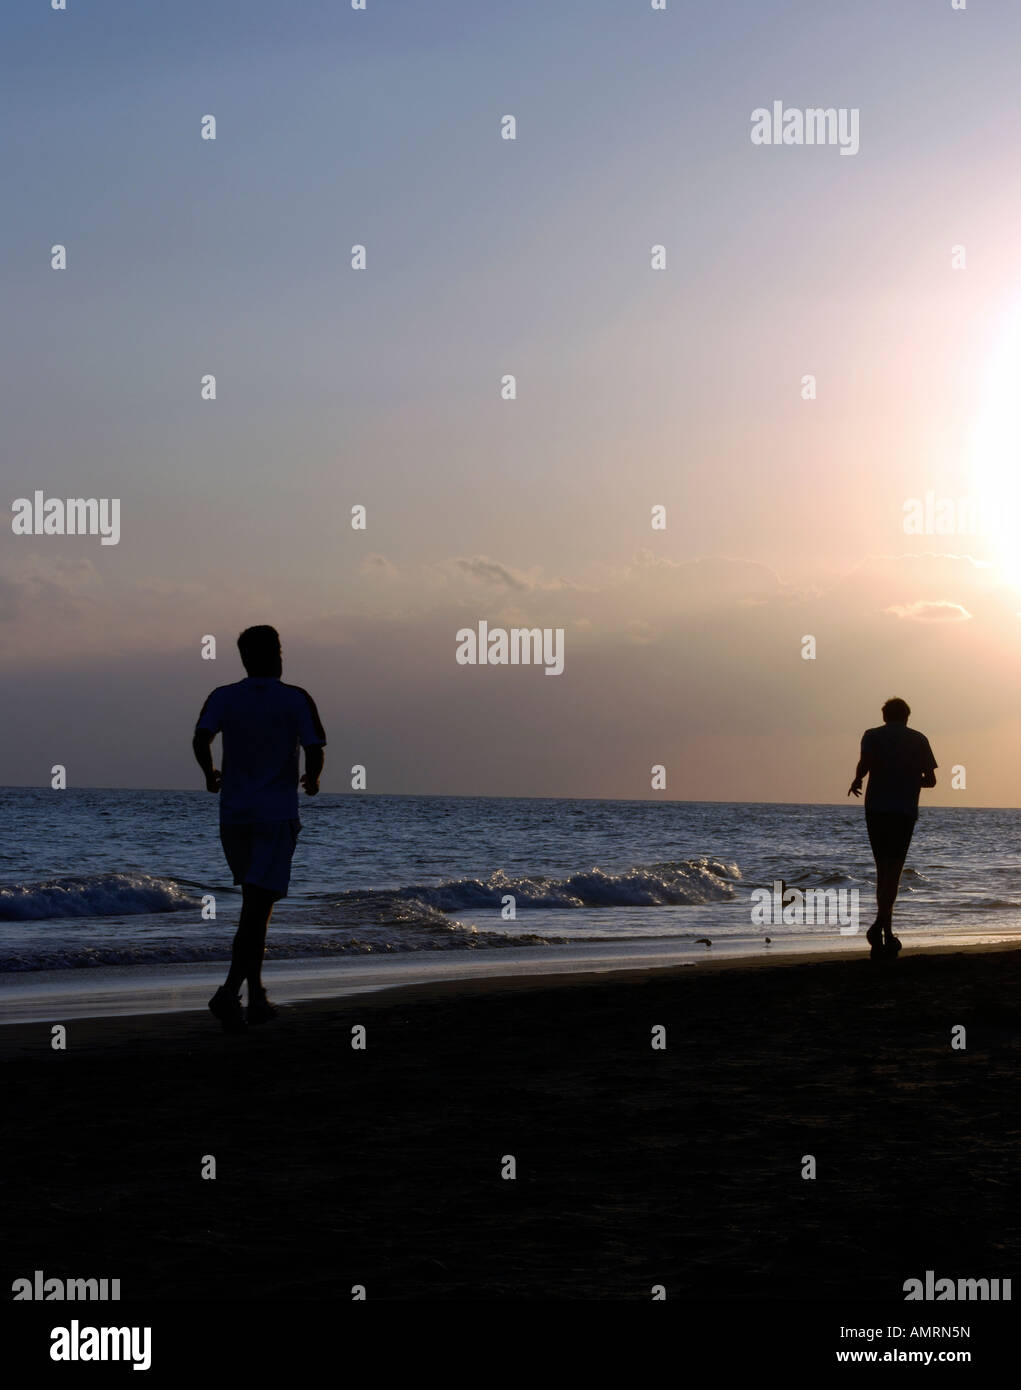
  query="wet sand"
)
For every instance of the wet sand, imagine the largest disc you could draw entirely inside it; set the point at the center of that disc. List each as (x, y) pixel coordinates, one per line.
(635, 1167)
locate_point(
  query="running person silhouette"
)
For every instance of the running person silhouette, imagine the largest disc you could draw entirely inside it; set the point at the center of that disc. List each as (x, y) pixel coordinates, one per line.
(899, 762)
(263, 722)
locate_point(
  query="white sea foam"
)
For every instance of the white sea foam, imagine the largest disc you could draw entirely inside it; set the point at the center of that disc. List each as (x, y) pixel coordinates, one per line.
(93, 895)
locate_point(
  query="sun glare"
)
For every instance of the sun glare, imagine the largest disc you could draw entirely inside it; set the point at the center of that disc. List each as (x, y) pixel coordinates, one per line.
(996, 452)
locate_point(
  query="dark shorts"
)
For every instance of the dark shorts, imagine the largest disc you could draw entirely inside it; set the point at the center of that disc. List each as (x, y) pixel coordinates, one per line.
(889, 833)
(260, 853)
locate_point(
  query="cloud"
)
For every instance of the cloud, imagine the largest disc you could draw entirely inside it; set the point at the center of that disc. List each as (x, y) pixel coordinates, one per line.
(58, 587)
(488, 571)
(716, 577)
(639, 633)
(695, 663)
(379, 565)
(930, 611)
(169, 589)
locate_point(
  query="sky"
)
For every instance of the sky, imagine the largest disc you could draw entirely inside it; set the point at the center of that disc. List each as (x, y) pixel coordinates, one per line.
(891, 276)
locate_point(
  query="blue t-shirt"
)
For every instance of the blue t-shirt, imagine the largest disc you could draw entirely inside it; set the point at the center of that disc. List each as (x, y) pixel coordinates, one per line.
(896, 757)
(263, 723)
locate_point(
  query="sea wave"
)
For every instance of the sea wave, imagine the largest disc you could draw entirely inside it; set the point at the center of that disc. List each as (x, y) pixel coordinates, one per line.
(819, 876)
(688, 882)
(94, 895)
(685, 882)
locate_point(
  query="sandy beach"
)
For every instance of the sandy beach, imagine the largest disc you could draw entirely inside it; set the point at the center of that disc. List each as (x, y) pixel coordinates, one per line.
(635, 1167)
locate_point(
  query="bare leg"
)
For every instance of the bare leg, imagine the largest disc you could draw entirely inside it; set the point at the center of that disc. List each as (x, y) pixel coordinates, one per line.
(888, 872)
(250, 941)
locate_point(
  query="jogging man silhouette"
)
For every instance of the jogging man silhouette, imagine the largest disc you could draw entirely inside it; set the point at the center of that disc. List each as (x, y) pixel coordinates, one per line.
(899, 762)
(262, 722)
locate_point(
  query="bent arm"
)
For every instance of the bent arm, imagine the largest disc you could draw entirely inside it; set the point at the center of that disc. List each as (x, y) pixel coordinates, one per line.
(863, 767)
(202, 747)
(314, 759)
(928, 779)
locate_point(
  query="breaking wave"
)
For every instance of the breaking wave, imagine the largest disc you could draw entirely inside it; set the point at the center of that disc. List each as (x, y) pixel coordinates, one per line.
(94, 895)
(688, 882)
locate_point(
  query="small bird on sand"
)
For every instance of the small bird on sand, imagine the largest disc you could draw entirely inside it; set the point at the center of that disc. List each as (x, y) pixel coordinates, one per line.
(703, 941)
(769, 940)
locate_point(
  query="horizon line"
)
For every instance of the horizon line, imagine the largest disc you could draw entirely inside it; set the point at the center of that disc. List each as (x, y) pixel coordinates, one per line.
(500, 796)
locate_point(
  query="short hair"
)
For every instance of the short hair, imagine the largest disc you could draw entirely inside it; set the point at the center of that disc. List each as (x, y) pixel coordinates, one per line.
(896, 710)
(260, 650)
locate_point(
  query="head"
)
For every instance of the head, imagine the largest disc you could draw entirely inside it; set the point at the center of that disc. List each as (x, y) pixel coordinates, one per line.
(260, 651)
(896, 711)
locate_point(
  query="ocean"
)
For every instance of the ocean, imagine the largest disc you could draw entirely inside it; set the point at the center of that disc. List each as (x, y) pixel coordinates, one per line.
(100, 877)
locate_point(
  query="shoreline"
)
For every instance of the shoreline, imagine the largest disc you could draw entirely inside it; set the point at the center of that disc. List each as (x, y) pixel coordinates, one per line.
(33, 997)
(16, 1034)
